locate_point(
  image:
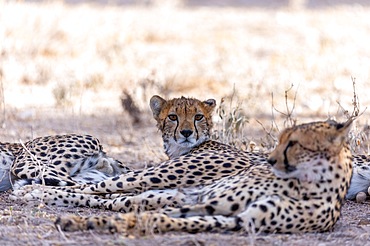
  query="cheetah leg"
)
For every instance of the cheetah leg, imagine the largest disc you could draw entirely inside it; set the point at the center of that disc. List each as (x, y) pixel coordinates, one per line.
(148, 200)
(193, 210)
(114, 223)
(147, 222)
(158, 222)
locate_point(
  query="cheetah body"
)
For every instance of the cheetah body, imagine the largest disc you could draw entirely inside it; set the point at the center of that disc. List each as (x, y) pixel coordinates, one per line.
(59, 160)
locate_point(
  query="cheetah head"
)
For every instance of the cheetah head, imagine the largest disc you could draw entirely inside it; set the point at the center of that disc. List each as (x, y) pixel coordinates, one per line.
(184, 122)
(306, 151)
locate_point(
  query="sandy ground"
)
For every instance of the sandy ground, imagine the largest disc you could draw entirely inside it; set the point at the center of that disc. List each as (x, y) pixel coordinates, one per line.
(63, 69)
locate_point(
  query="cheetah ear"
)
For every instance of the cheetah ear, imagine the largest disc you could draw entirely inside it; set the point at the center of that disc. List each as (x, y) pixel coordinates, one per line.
(156, 105)
(342, 130)
(210, 104)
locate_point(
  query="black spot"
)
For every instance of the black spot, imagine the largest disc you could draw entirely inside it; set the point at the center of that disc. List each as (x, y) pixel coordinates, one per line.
(56, 163)
(263, 208)
(155, 180)
(119, 184)
(227, 165)
(128, 203)
(130, 179)
(210, 210)
(271, 202)
(230, 198)
(263, 222)
(214, 202)
(234, 207)
(289, 226)
(171, 177)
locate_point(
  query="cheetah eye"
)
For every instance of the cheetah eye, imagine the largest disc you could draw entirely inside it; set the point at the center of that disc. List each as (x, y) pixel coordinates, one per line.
(172, 117)
(198, 117)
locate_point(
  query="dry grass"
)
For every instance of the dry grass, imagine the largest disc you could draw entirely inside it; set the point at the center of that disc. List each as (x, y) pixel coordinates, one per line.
(92, 53)
(63, 68)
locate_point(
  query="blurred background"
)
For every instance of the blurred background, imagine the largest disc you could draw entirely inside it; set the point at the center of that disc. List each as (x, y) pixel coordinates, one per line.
(92, 66)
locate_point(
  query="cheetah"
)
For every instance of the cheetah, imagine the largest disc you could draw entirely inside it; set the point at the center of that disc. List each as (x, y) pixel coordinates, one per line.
(299, 188)
(361, 177)
(194, 161)
(67, 160)
(59, 160)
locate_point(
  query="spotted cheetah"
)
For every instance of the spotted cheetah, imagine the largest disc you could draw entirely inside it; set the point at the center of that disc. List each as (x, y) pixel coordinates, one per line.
(194, 160)
(59, 160)
(67, 160)
(300, 188)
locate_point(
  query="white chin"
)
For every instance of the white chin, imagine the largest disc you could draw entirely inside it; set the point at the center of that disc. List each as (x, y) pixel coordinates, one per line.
(284, 175)
(186, 144)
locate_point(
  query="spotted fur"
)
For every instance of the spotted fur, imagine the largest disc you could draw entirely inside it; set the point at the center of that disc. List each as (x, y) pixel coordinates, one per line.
(59, 160)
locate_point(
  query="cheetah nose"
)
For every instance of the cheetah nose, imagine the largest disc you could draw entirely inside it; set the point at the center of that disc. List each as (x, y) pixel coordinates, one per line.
(186, 133)
(272, 161)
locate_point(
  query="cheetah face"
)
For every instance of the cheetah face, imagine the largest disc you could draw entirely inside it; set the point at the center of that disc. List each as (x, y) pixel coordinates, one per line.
(304, 152)
(184, 122)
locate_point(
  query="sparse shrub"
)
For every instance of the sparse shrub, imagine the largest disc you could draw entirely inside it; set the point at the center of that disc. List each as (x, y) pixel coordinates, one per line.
(62, 95)
(230, 125)
(129, 105)
(94, 82)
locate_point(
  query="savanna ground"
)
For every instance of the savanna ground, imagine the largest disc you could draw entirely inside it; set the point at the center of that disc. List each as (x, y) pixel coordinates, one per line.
(73, 68)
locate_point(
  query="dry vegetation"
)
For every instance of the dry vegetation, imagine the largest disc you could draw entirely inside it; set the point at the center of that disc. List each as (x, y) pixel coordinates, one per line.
(71, 68)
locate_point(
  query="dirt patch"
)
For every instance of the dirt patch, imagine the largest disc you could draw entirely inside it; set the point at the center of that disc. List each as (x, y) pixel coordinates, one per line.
(30, 225)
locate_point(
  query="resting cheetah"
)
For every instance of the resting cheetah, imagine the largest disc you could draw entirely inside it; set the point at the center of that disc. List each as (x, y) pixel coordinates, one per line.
(195, 160)
(59, 160)
(67, 160)
(300, 189)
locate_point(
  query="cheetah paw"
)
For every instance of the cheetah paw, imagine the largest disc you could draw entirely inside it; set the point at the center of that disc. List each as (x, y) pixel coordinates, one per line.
(26, 195)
